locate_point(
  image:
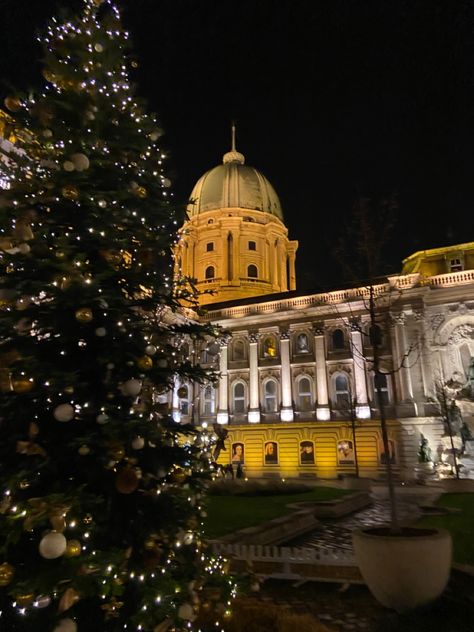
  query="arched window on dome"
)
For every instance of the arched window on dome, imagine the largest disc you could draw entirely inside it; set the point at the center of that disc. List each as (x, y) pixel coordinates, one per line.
(210, 273)
(252, 272)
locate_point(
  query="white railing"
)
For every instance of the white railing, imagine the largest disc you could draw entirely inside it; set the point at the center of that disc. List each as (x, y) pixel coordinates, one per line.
(281, 562)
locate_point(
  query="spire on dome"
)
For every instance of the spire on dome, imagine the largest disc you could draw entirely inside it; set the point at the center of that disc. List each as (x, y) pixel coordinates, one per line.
(233, 155)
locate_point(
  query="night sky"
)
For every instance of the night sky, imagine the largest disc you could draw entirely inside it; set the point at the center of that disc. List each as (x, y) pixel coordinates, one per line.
(331, 100)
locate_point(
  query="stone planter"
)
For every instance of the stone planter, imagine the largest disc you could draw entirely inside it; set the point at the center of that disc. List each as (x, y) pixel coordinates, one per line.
(406, 571)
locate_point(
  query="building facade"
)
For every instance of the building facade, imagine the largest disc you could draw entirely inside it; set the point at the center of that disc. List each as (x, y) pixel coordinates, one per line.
(296, 388)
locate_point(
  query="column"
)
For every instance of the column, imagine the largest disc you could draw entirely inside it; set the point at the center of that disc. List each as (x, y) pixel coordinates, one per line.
(406, 389)
(292, 271)
(223, 409)
(322, 411)
(254, 400)
(358, 360)
(286, 411)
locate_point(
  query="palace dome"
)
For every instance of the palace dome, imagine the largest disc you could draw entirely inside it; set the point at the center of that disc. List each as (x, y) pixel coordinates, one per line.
(234, 185)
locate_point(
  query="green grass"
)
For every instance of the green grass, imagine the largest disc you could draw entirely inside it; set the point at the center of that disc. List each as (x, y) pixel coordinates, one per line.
(226, 514)
(460, 525)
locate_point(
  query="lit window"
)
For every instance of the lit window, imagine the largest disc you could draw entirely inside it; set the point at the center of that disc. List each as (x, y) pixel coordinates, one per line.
(269, 347)
(184, 400)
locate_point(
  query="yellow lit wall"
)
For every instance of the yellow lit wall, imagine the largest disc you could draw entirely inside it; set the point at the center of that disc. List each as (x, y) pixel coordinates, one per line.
(325, 437)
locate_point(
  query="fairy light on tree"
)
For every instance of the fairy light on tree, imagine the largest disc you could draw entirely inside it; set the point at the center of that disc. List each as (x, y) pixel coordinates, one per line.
(102, 493)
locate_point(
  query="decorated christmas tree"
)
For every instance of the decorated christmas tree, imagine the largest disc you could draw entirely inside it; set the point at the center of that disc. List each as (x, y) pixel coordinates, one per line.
(102, 491)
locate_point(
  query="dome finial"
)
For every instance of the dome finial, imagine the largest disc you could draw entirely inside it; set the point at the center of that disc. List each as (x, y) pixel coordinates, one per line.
(233, 136)
(233, 155)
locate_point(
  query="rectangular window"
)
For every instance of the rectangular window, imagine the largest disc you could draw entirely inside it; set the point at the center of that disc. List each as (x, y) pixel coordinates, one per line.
(252, 245)
(455, 265)
(210, 246)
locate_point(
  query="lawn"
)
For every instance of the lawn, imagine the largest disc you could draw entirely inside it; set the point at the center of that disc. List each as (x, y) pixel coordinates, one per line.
(228, 513)
(460, 524)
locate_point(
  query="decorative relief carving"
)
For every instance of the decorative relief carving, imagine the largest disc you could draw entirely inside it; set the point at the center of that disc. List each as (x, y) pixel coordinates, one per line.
(462, 332)
(266, 374)
(337, 368)
(355, 325)
(254, 337)
(284, 335)
(399, 318)
(304, 371)
(436, 321)
(318, 329)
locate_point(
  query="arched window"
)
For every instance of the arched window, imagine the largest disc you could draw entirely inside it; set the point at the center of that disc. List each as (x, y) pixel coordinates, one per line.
(269, 347)
(183, 394)
(341, 391)
(210, 272)
(209, 400)
(382, 382)
(270, 391)
(302, 345)
(238, 350)
(338, 339)
(375, 336)
(238, 397)
(252, 272)
(305, 395)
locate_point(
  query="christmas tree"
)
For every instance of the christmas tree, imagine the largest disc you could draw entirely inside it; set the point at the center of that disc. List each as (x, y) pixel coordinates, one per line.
(102, 492)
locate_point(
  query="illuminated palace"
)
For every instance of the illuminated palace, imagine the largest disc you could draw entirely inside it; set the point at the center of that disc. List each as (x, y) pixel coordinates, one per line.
(296, 390)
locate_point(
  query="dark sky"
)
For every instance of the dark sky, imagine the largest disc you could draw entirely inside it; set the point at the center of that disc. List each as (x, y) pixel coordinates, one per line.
(331, 100)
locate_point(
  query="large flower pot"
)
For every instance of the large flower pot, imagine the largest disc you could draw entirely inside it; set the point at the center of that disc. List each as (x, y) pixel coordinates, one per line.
(404, 571)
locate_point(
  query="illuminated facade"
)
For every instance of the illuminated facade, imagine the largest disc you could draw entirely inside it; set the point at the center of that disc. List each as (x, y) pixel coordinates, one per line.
(295, 371)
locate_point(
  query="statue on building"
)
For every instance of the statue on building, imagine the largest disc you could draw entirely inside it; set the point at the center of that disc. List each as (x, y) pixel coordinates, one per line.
(424, 452)
(470, 379)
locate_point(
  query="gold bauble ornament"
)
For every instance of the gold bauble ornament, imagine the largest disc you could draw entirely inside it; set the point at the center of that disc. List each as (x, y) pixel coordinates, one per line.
(182, 392)
(145, 363)
(73, 548)
(141, 192)
(58, 522)
(6, 573)
(126, 481)
(12, 103)
(178, 475)
(22, 384)
(48, 75)
(117, 452)
(84, 315)
(87, 519)
(70, 192)
(25, 599)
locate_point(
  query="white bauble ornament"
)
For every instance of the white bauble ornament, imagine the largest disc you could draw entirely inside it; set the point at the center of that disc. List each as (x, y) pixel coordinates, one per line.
(68, 165)
(150, 349)
(131, 387)
(188, 537)
(166, 182)
(102, 419)
(98, 47)
(47, 133)
(24, 249)
(81, 161)
(66, 625)
(64, 412)
(138, 443)
(42, 601)
(52, 545)
(101, 332)
(186, 611)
